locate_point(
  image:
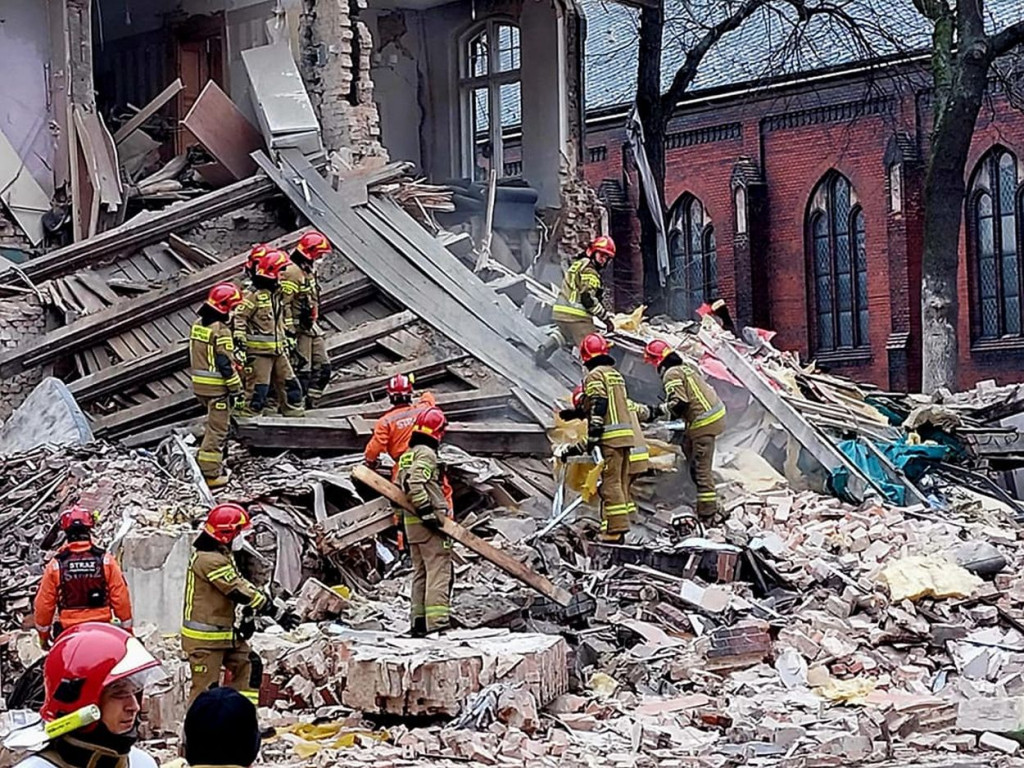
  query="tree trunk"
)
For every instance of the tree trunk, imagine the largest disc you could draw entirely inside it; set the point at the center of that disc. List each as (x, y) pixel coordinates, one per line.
(648, 100)
(944, 198)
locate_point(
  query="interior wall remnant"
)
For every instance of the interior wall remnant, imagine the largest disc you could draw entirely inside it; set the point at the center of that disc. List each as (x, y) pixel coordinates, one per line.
(336, 47)
(399, 81)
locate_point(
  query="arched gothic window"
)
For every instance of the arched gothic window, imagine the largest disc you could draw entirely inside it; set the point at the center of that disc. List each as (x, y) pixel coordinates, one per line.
(490, 94)
(838, 266)
(693, 258)
(994, 237)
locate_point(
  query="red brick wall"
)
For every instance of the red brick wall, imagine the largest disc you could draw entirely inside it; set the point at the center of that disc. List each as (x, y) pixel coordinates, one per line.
(793, 158)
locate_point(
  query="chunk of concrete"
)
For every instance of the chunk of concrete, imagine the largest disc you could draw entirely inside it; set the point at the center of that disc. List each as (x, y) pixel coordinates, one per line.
(49, 416)
(999, 715)
(155, 564)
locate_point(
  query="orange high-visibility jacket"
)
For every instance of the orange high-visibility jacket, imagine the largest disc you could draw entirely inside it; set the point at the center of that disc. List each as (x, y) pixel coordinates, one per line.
(392, 432)
(53, 597)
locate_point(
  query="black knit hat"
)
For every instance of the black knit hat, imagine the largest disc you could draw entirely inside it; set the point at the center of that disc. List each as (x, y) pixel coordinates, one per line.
(221, 729)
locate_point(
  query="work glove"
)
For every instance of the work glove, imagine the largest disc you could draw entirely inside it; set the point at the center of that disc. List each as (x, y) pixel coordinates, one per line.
(247, 626)
(290, 341)
(570, 449)
(44, 640)
(594, 433)
(238, 401)
(568, 414)
(240, 357)
(429, 518)
(289, 620)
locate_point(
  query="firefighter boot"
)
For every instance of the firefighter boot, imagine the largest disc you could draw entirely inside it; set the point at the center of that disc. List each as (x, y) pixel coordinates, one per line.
(220, 481)
(548, 348)
(293, 407)
(260, 394)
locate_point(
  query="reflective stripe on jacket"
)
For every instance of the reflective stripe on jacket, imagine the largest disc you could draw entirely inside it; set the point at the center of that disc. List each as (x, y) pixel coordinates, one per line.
(606, 382)
(581, 279)
(205, 343)
(689, 396)
(213, 587)
(258, 325)
(300, 293)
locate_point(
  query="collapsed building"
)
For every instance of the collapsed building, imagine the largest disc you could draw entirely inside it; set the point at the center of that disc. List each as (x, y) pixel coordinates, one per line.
(861, 601)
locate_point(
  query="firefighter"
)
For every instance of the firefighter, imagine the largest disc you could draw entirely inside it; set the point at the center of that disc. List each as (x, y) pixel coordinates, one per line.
(213, 587)
(103, 666)
(215, 379)
(392, 431)
(689, 397)
(420, 476)
(81, 583)
(256, 253)
(609, 427)
(259, 334)
(580, 299)
(302, 305)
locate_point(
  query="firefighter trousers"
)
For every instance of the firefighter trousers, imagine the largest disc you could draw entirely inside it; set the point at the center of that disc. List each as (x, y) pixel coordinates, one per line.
(614, 491)
(700, 451)
(206, 664)
(431, 582)
(315, 373)
(215, 435)
(276, 371)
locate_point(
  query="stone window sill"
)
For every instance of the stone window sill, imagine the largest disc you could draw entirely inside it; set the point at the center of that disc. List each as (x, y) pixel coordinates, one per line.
(842, 358)
(1006, 344)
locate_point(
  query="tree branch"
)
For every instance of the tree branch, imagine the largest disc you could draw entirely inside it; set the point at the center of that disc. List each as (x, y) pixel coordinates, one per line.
(688, 71)
(1003, 42)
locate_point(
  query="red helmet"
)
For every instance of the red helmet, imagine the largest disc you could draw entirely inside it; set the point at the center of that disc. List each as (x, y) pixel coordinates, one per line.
(656, 351)
(431, 422)
(86, 659)
(226, 521)
(224, 297)
(77, 515)
(601, 246)
(594, 345)
(577, 396)
(399, 385)
(258, 252)
(272, 264)
(313, 245)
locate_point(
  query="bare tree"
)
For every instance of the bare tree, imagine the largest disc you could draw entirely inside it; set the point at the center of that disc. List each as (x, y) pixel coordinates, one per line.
(962, 57)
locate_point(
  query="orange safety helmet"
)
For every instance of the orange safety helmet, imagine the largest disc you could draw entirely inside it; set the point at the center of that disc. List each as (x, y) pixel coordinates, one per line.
(224, 297)
(271, 265)
(313, 245)
(226, 521)
(656, 351)
(77, 515)
(89, 657)
(432, 422)
(601, 249)
(594, 345)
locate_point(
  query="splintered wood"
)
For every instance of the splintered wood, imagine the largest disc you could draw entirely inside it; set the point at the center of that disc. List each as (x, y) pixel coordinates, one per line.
(379, 673)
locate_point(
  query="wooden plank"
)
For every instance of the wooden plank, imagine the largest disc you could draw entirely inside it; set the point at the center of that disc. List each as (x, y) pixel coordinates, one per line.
(503, 560)
(222, 129)
(395, 272)
(172, 408)
(148, 111)
(98, 286)
(143, 229)
(426, 369)
(125, 315)
(456, 405)
(190, 251)
(103, 171)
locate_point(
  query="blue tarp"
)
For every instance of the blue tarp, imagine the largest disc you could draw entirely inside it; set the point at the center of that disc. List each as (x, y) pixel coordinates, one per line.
(913, 460)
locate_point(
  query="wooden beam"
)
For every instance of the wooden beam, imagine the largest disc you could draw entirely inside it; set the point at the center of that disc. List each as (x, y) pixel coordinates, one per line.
(180, 405)
(154, 106)
(144, 230)
(427, 369)
(456, 405)
(503, 560)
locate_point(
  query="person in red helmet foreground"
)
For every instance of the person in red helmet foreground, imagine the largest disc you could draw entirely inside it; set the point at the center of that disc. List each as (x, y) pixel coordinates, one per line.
(581, 299)
(421, 478)
(81, 583)
(94, 677)
(213, 589)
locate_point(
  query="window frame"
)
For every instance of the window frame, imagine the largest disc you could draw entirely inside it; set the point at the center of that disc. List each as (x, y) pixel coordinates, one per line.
(493, 80)
(990, 163)
(681, 232)
(822, 207)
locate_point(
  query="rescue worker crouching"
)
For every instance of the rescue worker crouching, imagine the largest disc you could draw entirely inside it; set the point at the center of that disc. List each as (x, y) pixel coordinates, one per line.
(301, 295)
(95, 665)
(609, 428)
(689, 397)
(213, 588)
(81, 583)
(420, 477)
(261, 342)
(580, 299)
(215, 379)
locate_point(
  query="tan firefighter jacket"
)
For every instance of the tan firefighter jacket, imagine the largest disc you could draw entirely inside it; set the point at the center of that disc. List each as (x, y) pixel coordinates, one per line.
(604, 383)
(211, 351)
(581, 294)
(301, 296)
(419, 475)
(259, 323)
(213, 587)
(690, 397)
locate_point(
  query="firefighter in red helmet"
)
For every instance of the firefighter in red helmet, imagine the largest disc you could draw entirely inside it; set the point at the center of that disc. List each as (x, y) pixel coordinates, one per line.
(213, 588)
(301, 295)
(259, 331)
(81, 582)
(215, 377)
(421, 478)
(93, 679)
(581, 298)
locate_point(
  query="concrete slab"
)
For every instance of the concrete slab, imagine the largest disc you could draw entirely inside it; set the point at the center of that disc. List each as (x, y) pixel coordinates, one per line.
(154, 564)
